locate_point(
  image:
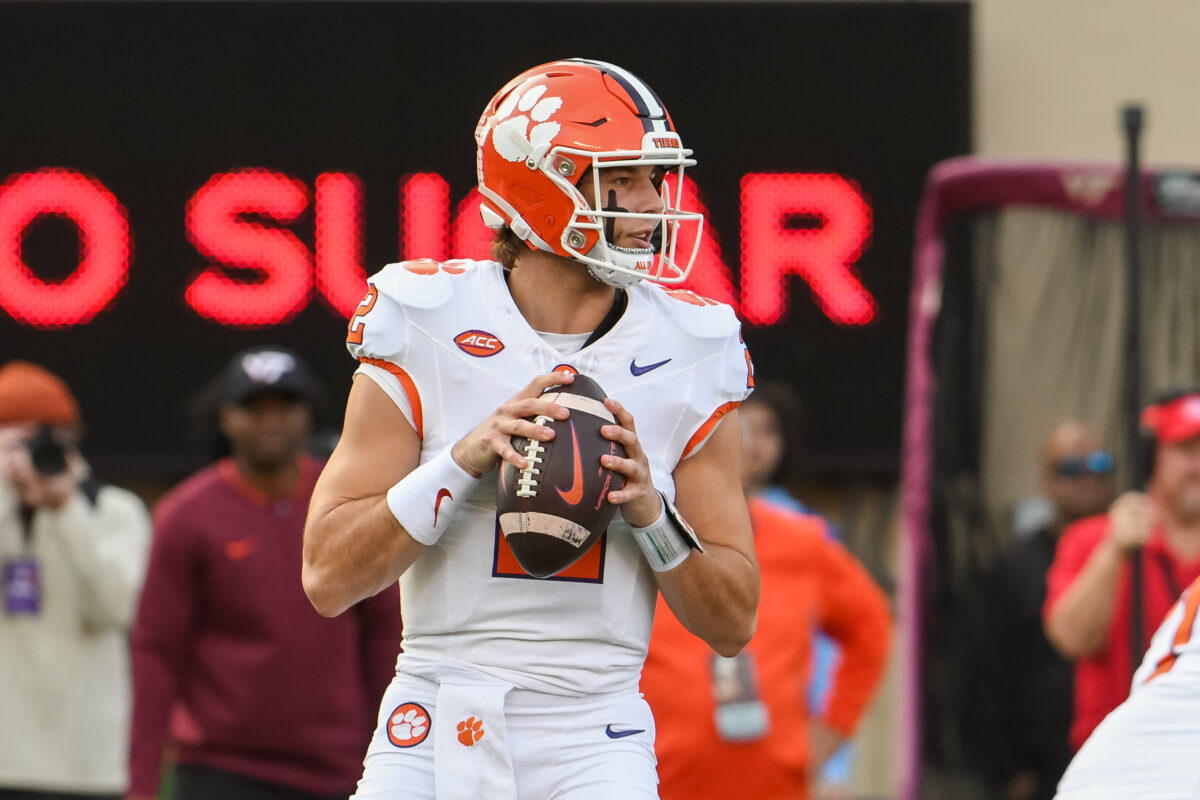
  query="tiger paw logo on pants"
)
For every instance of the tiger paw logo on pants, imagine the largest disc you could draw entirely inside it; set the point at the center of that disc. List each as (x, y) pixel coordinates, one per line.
(470, 731)
(509, 135)
(408, 725)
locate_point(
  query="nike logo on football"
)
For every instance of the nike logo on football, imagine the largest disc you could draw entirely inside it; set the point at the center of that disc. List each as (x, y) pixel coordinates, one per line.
(635, 370)
(573, 495)
(621, 734)
(437, 504)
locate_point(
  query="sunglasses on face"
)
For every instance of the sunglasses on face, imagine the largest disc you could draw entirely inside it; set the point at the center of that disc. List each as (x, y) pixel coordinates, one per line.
(1096, 462)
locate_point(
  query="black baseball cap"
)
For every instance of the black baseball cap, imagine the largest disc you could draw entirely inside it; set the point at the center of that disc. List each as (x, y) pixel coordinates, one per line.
(268, 370)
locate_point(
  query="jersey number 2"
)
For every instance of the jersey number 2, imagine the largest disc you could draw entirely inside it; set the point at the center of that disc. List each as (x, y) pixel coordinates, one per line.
(355, 333)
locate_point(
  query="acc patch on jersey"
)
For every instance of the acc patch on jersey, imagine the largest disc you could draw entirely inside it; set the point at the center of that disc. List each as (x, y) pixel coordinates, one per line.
(480, 344)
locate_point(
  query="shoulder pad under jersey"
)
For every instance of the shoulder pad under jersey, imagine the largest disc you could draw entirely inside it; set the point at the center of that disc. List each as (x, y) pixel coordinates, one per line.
(421, 283)
(696, 315)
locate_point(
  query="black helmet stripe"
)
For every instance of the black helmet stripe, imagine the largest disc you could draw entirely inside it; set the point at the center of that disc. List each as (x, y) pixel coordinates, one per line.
(650, 108)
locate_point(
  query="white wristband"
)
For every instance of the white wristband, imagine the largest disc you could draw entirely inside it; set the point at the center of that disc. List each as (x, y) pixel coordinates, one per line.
(668, 540)
(424, 501)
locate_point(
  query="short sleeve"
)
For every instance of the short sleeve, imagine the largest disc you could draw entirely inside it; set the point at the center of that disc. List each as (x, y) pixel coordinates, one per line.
(392, 385)
(734, 384)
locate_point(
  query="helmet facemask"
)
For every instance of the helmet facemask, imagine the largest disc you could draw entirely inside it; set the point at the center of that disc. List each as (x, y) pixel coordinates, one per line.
(594, 219)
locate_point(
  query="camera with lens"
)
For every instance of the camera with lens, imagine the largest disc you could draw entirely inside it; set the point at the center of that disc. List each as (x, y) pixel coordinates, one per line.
(47, 453)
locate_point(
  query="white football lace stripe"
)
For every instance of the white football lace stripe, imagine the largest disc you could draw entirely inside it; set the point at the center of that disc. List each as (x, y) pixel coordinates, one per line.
(580, 403)
(546, 524)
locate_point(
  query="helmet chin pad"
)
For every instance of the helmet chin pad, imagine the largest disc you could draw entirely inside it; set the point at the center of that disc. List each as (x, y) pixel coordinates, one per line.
(633, 260)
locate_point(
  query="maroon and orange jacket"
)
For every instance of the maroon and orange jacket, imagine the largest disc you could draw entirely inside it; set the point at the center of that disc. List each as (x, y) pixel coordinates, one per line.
(232, 664)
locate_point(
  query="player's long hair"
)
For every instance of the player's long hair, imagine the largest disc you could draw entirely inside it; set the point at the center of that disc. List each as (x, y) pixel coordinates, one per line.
(507, 247)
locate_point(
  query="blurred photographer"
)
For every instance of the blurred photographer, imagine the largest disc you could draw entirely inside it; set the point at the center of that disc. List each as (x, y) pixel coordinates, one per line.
(72, 556)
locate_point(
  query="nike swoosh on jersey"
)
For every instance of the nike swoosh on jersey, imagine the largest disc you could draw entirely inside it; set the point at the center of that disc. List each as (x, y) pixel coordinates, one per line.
(573, 495)
(610, 733)
(437, 504)
(635, 370)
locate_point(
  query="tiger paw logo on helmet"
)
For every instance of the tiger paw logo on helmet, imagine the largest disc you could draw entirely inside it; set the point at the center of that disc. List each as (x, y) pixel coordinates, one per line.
(512, 132)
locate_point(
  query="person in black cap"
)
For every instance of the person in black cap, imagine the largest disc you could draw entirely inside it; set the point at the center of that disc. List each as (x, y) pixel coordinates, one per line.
(226, 647)
(269, 403)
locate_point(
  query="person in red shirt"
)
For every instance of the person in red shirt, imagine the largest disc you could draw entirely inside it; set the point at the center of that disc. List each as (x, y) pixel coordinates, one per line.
(258, 695)
(740, 727)
(1087, 611)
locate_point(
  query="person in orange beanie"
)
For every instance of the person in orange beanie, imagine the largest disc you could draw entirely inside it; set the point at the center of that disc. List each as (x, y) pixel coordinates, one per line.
(72, 556)
(741, 727)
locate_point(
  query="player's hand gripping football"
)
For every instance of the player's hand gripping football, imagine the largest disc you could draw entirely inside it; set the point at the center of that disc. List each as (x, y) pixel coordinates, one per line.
(639, 501)
(481, 449)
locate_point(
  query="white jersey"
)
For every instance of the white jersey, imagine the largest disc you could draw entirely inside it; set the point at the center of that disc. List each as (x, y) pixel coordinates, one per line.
(1145, 749)
(1176, 636)
(454, 342)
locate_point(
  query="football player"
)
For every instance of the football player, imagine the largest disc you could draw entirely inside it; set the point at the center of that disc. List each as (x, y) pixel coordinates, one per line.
(510, 687)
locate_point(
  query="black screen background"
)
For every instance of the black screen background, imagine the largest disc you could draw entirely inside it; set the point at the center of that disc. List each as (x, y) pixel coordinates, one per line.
(154, 98)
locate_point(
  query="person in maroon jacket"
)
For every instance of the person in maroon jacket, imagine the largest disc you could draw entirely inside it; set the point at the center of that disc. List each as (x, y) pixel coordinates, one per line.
(256, 694)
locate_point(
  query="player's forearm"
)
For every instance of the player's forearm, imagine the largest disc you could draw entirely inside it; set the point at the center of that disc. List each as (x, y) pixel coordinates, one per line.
(353, 551)
(1078, 623)
(715, 595)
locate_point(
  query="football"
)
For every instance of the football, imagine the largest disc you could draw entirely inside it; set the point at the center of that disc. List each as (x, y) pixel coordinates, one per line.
(555, 510)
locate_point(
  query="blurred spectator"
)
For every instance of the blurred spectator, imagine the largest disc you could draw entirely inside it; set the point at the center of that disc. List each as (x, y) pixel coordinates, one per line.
(1088, 604)
(73, 553)
(1020, 687)
(261, 696)
(741, 726)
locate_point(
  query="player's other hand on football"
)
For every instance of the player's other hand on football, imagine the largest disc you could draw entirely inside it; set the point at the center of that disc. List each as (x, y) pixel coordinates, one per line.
(481, 449)
(639, 501)
(1131, 518)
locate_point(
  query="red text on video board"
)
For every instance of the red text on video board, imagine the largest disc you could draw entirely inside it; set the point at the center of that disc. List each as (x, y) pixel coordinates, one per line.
(254, 269)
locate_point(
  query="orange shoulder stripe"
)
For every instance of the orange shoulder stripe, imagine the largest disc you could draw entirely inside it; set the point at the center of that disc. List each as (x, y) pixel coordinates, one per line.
(1182, 633)
(410, 389)
(705, 430)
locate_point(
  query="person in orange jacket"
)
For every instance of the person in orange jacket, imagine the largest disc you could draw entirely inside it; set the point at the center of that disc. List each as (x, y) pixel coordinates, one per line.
(741, 726)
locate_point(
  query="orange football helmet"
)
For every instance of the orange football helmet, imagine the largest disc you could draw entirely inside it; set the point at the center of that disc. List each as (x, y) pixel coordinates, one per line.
(537, 139)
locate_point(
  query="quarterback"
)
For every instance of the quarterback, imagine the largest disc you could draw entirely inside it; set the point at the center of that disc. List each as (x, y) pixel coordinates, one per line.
(511, 687)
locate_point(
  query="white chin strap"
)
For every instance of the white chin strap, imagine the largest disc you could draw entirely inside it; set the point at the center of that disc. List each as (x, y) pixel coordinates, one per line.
(621, 257)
